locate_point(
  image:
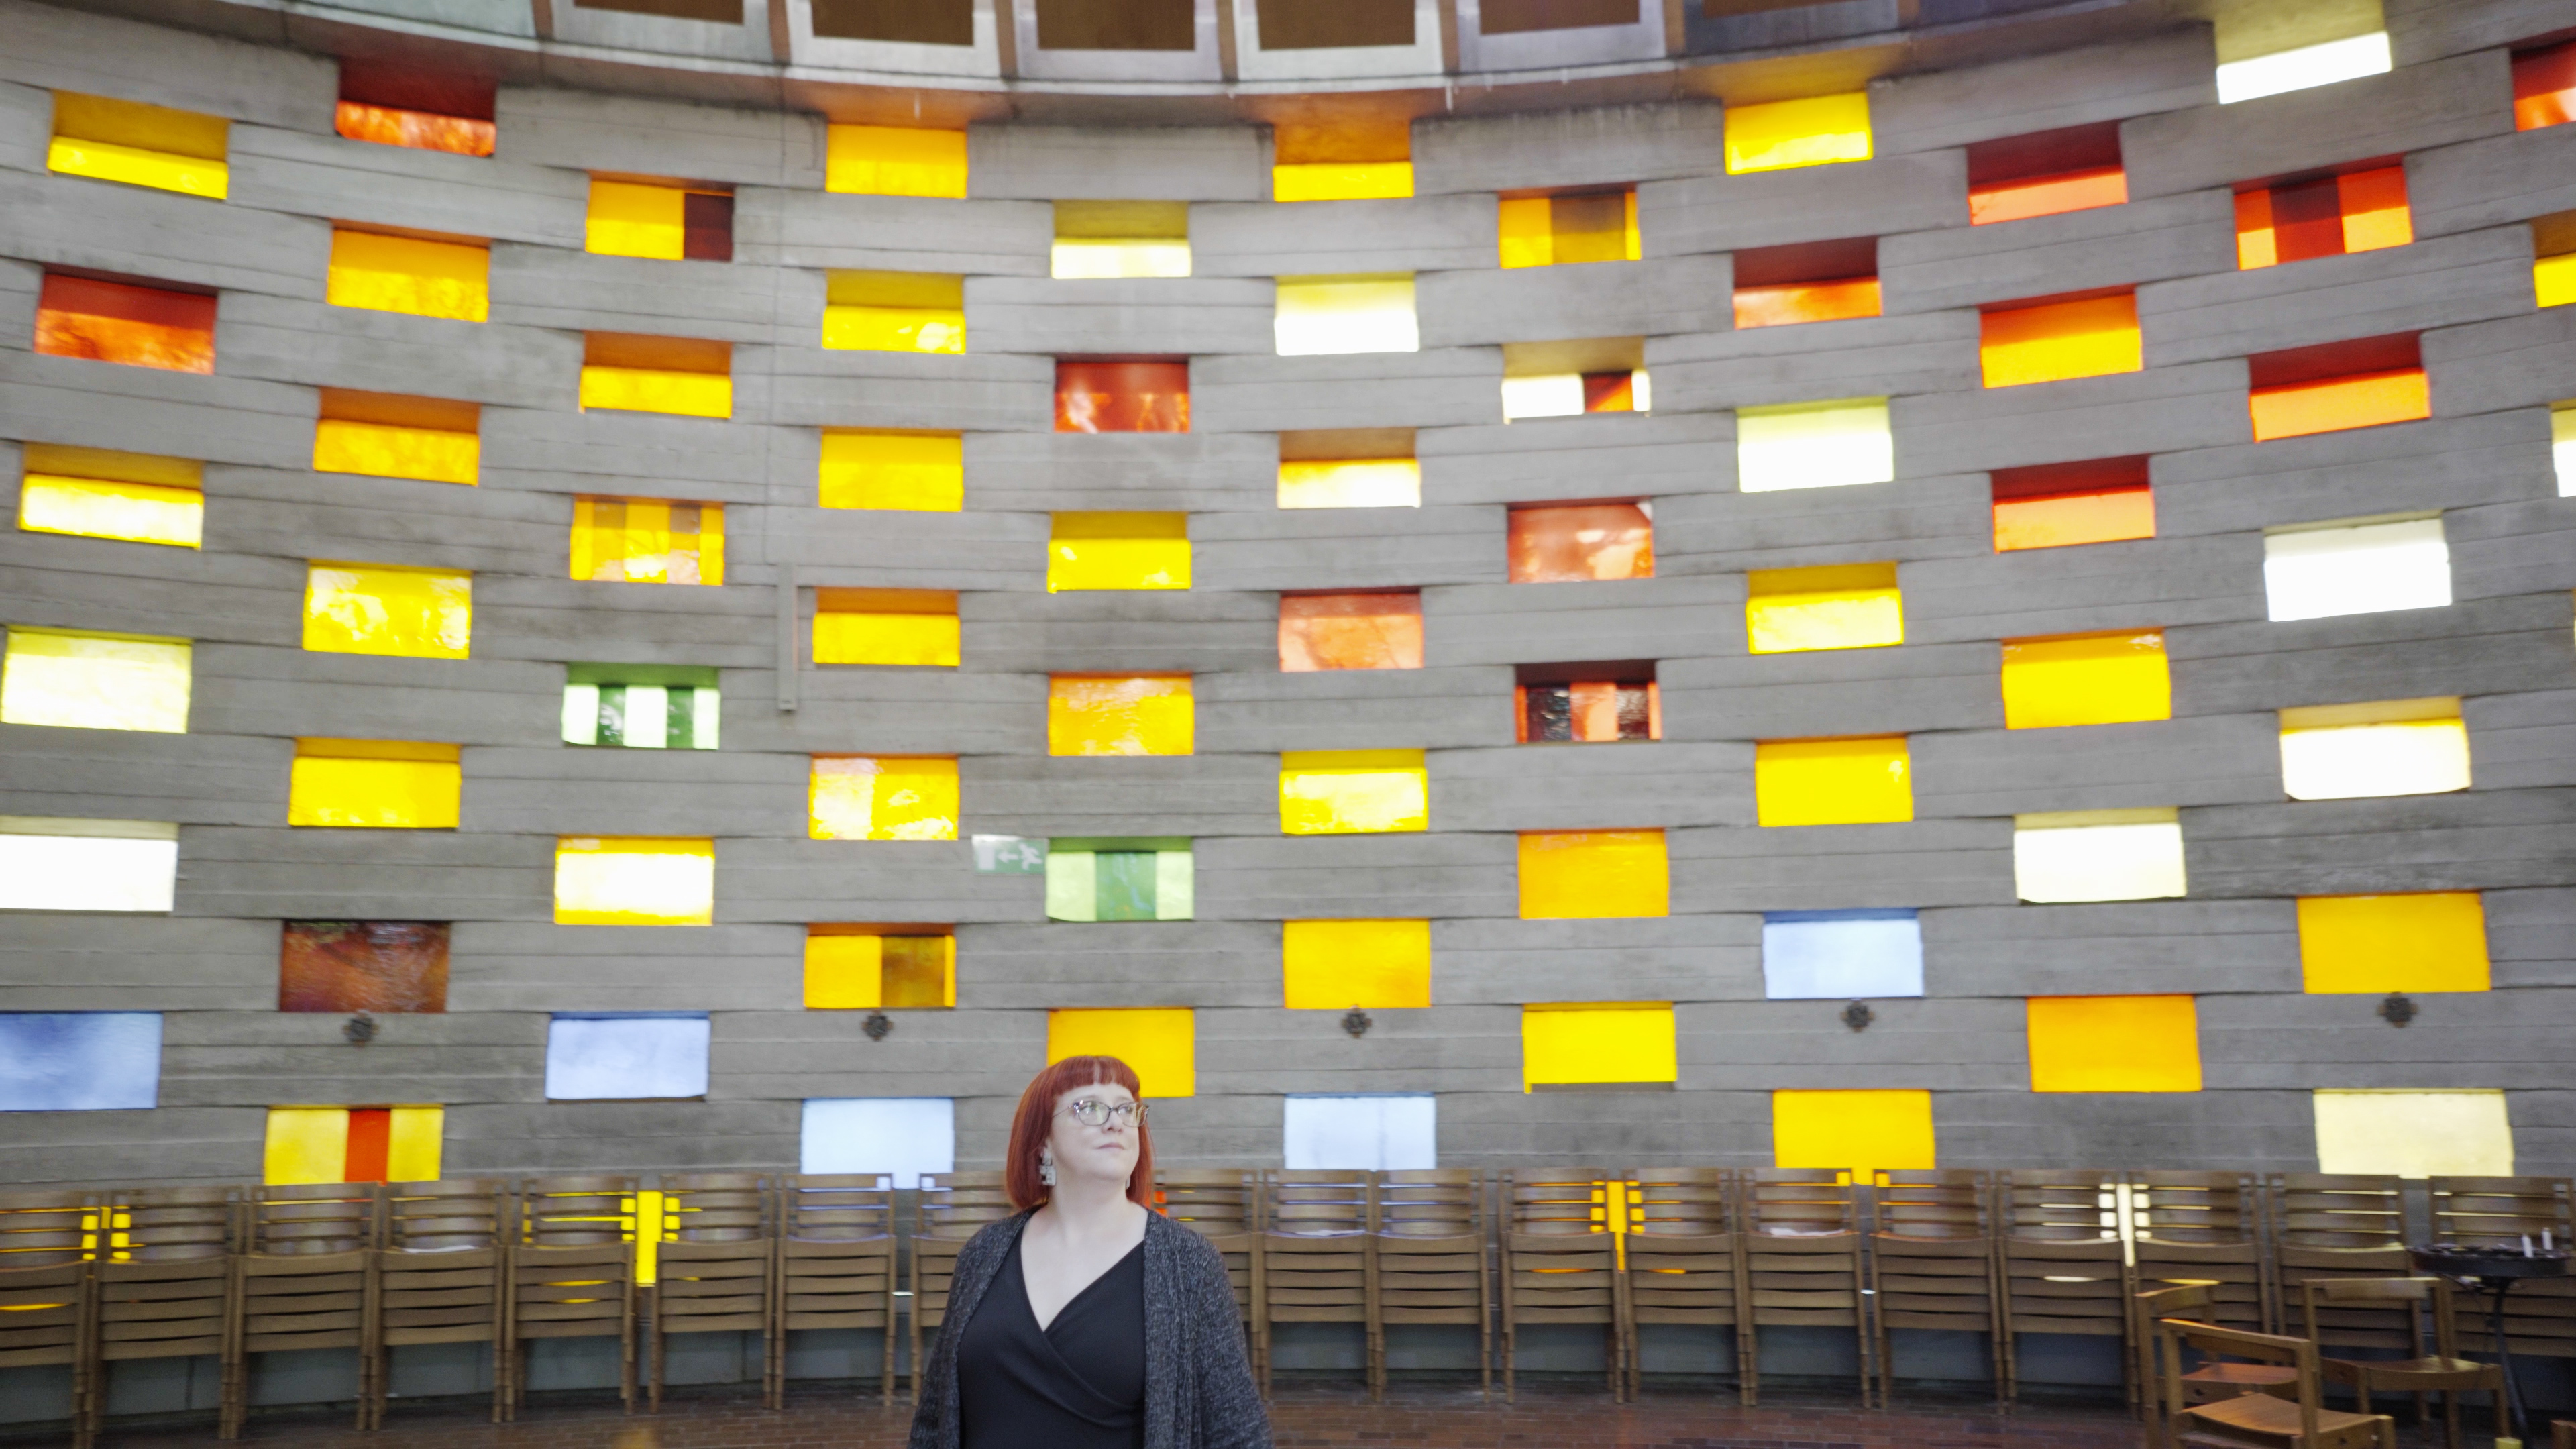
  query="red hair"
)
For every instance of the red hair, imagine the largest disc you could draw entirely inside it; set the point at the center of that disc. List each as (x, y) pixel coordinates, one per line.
(1035, 1120)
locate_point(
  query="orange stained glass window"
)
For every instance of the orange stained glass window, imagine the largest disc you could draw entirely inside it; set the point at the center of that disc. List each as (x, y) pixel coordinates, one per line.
(1122, 395)
(2358, 211)
(2544, 87)
(2100, 500)
(2055, 341)
(419, 130)
(1808, 282)
(1349, 631)
(115, 322)
(2337, 385)
(1612, 392)
(1594, 874)
(2045, 173)
(1582, 541)
(345, 966)
(403, 104)
(1618, 702)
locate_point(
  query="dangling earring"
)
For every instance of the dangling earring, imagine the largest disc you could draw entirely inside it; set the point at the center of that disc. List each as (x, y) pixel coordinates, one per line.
(1046, 1168)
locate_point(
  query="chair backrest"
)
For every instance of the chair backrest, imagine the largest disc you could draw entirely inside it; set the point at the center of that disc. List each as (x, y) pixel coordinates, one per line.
(1936, 1203)
(1215, 1202)
(41, 1229)
(458, 1215)
(1567, 1200)
(1431, 1202)
(715, 1207)
(1800, 1201)
(576, 1212)
(310, 1219)
(1317, 1202)
(2499, 1211)
(846, 1207)
(171, 1224)
(2337, 1211)
(2060, 1205)
(2409, 1297)
(959, 1204)
(2182, 1300)
(1694, 1202)
(2194, 1207)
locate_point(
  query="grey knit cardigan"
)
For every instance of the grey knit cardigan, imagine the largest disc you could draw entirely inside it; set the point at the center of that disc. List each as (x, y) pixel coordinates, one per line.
(1199, 1392)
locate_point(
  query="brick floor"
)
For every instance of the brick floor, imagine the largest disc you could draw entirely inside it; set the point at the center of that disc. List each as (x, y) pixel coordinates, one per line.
(1301, 1418)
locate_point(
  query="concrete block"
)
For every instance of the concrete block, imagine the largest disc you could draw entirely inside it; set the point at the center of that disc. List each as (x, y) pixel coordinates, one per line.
(1810, 203)
(1423, 233)
(2413, 108)
(1592, 299)
(1101, 163)
(1567, 148)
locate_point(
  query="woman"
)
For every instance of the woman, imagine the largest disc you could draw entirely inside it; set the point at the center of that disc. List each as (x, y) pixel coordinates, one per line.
(1087, 1321)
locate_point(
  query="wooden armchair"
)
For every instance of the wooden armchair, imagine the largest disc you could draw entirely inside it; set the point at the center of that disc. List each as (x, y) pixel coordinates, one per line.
(2444, 1372)
(2258, 1421)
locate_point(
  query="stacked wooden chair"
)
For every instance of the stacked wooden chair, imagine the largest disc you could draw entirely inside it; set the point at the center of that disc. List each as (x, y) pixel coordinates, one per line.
(1316, 1266)
(1803, 1263)
(164, 1281)
(2061, 1265)
(1429, 1251)
(2202, 1229)
(571, 1275)
(2417, 1304)
(2539, 1316)
(1561, 1262)
(952, 1208)
(440, 1275)
(2336, 1226)
(835, 1267)
(1932, 1263)
(715, 1261)
(1685, 1260)
(305, 1279)
(1223, 1205)
(46, 1292)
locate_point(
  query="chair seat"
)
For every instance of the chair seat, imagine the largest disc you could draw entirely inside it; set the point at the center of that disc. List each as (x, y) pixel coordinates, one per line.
(2227, 1379)
(2414, 1373)
(2260, 1419)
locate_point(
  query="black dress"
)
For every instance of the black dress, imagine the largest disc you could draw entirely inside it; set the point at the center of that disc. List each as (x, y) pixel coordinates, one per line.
(1078, 1383)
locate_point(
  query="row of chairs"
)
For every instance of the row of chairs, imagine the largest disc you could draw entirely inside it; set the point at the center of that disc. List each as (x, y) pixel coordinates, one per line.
(90, 1279)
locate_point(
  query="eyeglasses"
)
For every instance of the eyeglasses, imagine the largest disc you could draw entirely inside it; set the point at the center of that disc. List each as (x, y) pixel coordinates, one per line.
(1091, 1112)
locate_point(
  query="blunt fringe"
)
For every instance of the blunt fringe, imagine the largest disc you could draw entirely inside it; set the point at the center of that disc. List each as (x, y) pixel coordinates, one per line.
(1031, 1124)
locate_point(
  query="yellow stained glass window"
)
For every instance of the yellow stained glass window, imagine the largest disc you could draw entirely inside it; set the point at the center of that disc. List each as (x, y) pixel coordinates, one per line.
(1118, 551)
(2055, 341)
(1598, 1043)
(1585, 226)
(1859, 781)
(141, 145)
(95, 681)
(1857, 1131)
(1109, 239)
(1814, 131)
(1593, 874)
(1840, 606)
(871, 968)
(886, 626)
(2423, 941)
(384, 436)
(634, 881)
(1350, 792)
(895, 161)
(2114, 1044)
(647, 541)
(1372, 313)
(894, 312)
(375, 785)
(2086, 679)
(2383, 747)
(2456, 1133)
(1129, 714)
(1335, 965)
(913, 472)
(1350, 483)
(410, 274)
(630, 219)
(686, 376)
(1341, 180)
(1160, 1042)
(98, 493)
(883, 797)
(354, 608)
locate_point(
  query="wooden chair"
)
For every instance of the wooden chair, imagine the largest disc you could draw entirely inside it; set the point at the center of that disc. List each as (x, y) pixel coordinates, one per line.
(2443, 1371)
(1561, 1262)
(1932, 1262)
(2259, 1421)
(305, 1278)
(2202, 1227)
(2562, 1434)
(1430, 1250)
(440, 1270)
(571, 1274)
(1685, 1259)
(164, 1281)
(2061, 1264)
(836, 1266)
(714, 1265)
(2337, 1226)
(1803, 1263)
(1223, 1205)
(2540, 1315)
(47, 1296)
(2204, 1382)
(952, 1207)
(1315, 1261)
